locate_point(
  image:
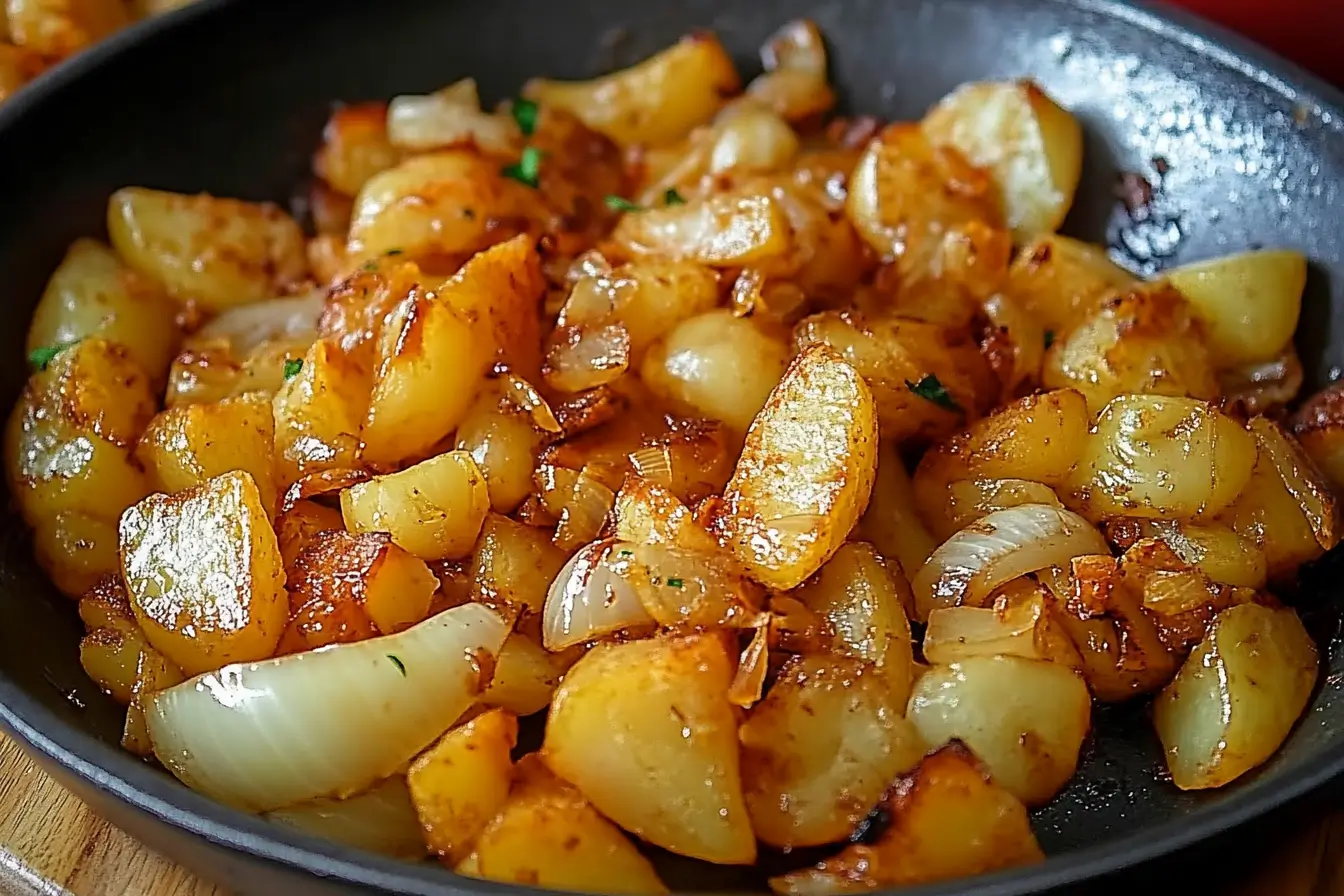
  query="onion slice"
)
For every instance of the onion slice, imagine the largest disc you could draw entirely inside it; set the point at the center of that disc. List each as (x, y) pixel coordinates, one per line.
(997, 549)
(248, 326)
(328, 722)
(588, 600)
(382, 819)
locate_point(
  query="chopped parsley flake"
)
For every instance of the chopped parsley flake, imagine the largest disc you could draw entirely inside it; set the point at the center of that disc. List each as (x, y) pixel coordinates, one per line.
(621, 204)
(396, 661)
(672, 197)
(527, 168)
(930, 389)
(370, 266)
(1049, 338)
(41, 357)
(392, 252)
(627, 553)
(525, 113)
(675, 583)
(292, 367)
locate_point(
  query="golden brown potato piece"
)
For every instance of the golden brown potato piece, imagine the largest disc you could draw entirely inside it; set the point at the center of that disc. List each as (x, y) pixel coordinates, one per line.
(947, 820)
(433, 509)
(820, 749)
(805, 473)
(722, 230)
(389, 585)
(209, 370)
(1062, 281)
(1144, 340)
(794, 83)
(1031, 147)
(110, 657)
(1267, 514)
(204, 574)
(1213, 548)
(61, 28)
(295, 528)
(1319, 428)
(655, 102)
(460, 783)
(18, 66)
(75, 549)
(895, 355)
(717, 365)
(437, 209)
(435, 350)
(215, 252)
(513, 565)
(1161, 458)
(1249, 302)
(526, 675)
(319, 623)
(355, 147)
(317, 412)
(1025, 719)
(647, 513)
(867, 604)
(505, 440)
(891, 521)
(186, 445)
(93, 295)
(1237, 696)
(547, 835)
(645, 730)
(1304, 482)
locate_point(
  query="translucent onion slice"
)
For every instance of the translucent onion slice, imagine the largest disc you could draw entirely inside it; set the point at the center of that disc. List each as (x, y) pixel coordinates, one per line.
(326, 723)
(419, 123)
(998, 548)
(382, 819)
(248, 326)
(955, 634)
(585, 357)
(584, 515)
(688, 588)
(587, 600)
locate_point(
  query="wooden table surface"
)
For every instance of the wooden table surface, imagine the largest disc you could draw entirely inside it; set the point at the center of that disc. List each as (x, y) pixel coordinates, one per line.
(51, 844)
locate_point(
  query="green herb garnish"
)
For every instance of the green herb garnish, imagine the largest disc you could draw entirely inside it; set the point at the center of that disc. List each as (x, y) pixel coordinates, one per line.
(396, 661)
(292, 367)
(525, 113)
(672, 197)
(1049, 338)
(41, 357)
(392, 252)
(621, 204)
(370, 266)
(627, 553)
(929, 389)
(675, 583)
(527, 168)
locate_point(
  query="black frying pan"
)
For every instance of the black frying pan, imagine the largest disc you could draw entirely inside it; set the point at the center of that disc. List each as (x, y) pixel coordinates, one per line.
(229, 97)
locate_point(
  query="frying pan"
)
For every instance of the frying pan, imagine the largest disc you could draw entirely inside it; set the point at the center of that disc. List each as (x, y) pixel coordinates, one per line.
(1241, 150)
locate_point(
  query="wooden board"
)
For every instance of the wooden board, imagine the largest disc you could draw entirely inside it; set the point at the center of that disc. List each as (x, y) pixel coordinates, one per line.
(51, 844)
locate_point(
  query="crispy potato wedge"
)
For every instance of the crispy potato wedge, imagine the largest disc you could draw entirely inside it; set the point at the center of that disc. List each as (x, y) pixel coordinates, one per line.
(894, 353)
(189, 444)
(1062, 281)
(461, 783)
(391, 586)
(355, 147)
(1031, 147)
(61, 29)
(1249, 302)
(655, 102)
(717, 365)
(947, 820)
(93, 295)
(645, 730)
(805, 473)
(547, 835)
(1237, 696)
(821, 748)
(316, 414)
(1144, 340)
(1025, 719)
(215, 252)
(433, 509)
(1160, 457)
(867, 604)
(513, 565)
(204, 573)
(435, 349)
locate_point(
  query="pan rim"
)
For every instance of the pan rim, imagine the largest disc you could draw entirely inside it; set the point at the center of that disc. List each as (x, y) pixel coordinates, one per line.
(120, 775)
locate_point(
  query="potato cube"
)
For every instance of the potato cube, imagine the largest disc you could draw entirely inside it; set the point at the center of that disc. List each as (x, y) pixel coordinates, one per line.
(204, 574)
(1249, 302)
(317, 413)
(434, 509)
(459, 784)
(296, 527)
(391, 586)
(513, 565)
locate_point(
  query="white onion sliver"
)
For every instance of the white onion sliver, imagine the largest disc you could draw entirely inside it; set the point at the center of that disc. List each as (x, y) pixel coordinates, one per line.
(325, 723)
(247, 326)
(382, 819)
(997, 549)
(430, 122)
(588, 600)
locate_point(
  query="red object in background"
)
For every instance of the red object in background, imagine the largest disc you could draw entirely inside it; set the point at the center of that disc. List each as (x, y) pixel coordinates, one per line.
(1305, 31)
